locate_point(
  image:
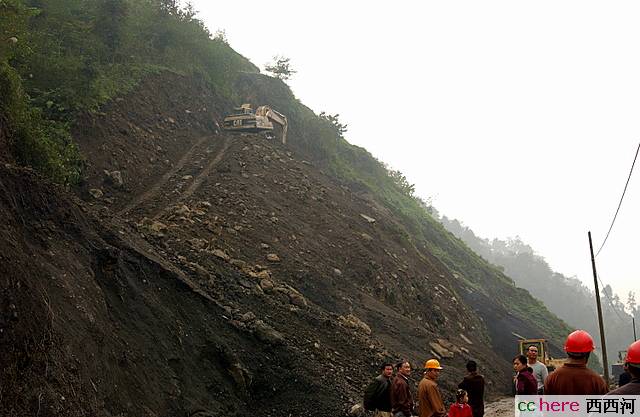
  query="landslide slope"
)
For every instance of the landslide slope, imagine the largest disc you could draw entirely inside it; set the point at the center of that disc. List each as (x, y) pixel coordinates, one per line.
(504, 308)
(296, 234)
(235, 279)
(299, 233)
(202, 273)
(94, 321)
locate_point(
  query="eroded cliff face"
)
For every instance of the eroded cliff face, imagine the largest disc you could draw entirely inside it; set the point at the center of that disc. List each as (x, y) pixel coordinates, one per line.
(202, 273)
(250, 201)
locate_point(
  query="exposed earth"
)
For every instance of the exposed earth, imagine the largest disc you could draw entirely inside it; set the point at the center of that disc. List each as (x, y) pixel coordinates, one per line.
(500, 408)
(199, 273)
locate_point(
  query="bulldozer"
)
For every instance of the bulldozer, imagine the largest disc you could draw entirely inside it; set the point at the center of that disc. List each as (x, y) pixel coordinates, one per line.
(543, 352)
(261, 121)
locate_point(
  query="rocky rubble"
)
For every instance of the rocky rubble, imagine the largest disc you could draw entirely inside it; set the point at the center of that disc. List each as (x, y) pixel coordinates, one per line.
(207, 274)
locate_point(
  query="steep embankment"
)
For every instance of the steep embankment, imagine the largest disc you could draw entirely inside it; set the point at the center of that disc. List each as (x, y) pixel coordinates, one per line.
(504, 308)
(94, 322)
(241, 200)
(212, 274)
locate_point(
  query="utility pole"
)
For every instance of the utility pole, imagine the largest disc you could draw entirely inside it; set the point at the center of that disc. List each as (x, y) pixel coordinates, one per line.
(605, 363)
(633, 319)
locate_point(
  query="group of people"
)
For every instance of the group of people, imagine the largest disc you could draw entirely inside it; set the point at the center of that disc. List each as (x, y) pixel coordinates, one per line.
(391, 396)
(573, 377)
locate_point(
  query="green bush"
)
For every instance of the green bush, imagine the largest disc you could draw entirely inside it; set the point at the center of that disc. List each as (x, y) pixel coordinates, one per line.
(75, 55)
(43, 144)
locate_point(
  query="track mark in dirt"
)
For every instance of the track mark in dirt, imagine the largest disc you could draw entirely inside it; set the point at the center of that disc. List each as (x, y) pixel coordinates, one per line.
(158, 185)
(205, 173)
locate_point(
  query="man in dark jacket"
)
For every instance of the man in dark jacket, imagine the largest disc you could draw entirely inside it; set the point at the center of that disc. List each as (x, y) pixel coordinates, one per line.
(625, 377)
(473, 383)
(401, 398)
(633, 367)
(377, 395)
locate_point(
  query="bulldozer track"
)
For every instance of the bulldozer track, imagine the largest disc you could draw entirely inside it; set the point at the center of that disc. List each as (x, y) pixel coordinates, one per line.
(205, 173)
(163, 180)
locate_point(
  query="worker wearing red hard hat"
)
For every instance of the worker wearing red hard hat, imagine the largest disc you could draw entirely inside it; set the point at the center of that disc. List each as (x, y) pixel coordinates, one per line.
(633, 367)
(574, 378)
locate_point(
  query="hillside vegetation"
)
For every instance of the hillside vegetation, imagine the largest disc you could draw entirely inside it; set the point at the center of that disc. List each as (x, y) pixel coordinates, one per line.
(75, 55)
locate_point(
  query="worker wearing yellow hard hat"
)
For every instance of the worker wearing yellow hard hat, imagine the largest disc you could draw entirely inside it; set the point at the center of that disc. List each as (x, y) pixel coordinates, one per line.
(431, 404)
(432, 364)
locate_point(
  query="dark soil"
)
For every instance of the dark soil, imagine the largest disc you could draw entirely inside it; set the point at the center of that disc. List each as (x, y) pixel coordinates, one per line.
(224, 276)
(4, 139)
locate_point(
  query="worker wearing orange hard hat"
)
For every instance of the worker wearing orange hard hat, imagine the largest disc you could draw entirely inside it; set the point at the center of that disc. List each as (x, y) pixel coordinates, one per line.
(633, 367)
(574, 378)
(429, 398)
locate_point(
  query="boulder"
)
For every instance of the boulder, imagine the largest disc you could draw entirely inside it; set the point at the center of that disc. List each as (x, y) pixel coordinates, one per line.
(272, 257)
(366, 237)
(113, 178)
(441, 350)
(266, 285)
(357, 411)
(367, 218)
(354, 322)
(297, 300)
(96, 193)
(247, 317)
(263, 275)
(267, 334)
(181, 210)
(221, 254)
(238, 263)
(197, 243)
(157, 227)
(449, 346)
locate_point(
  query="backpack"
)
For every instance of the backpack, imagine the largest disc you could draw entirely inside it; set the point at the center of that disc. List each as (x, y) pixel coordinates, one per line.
(373, 393)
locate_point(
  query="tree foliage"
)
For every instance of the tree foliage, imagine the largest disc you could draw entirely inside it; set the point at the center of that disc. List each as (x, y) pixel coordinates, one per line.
(401, 181)
(221, 36)
(74, 55)
(36, 141)
(334, 120)
(280, 68)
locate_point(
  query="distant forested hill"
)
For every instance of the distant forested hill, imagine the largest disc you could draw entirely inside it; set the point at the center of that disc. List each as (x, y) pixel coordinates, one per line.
(531, 272)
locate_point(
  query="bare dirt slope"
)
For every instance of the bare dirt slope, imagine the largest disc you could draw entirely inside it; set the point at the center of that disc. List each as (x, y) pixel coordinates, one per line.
(242, 200)
(93, 322)
(208, 274)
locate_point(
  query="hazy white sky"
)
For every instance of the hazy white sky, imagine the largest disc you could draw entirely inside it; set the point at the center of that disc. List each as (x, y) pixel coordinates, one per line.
(517, 118)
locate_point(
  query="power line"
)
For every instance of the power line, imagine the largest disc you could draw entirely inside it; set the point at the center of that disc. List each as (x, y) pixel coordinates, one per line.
(620, 203)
